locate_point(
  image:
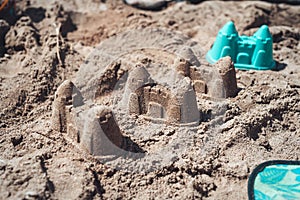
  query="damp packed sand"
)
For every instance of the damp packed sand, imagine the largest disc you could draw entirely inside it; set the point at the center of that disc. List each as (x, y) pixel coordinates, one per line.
(100, 47)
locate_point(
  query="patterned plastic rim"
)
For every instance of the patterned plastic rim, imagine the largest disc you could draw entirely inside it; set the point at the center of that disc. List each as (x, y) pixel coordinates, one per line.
(260, 168)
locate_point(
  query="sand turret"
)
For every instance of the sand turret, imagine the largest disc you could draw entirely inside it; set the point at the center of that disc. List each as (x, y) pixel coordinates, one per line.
(101, 134)
(137, 78)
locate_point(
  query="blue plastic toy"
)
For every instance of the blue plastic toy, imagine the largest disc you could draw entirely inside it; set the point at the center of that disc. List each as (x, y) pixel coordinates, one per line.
(275, 179)
(247, 52)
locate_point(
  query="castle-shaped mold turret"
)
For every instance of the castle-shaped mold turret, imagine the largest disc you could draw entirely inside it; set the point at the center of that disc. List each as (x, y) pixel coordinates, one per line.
(225, 44)
(263, 53)
(247, 52)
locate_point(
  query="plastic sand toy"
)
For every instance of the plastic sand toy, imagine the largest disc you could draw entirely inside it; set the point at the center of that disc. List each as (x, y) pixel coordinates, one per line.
(276, 179)
(247, 52)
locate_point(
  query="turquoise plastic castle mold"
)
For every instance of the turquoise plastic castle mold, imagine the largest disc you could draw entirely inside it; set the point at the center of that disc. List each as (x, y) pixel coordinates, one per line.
(247, 52)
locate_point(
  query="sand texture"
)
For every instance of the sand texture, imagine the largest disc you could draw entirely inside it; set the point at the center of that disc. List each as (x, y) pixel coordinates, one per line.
(100, 100)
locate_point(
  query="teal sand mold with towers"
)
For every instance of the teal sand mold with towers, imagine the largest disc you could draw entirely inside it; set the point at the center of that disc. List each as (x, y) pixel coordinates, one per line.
(247, 52)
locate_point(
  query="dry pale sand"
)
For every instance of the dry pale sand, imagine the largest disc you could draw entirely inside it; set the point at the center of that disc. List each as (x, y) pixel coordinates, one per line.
(209, 157)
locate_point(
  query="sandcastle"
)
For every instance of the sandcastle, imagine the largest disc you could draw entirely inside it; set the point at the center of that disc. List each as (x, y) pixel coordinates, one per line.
(144, 97)
(93, 126)
(159, 83)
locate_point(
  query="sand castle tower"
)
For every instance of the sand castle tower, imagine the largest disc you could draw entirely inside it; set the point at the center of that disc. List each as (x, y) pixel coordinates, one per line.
(101, 134)
(186, 96)
(137, 78)
(66, 98)
(227, 77)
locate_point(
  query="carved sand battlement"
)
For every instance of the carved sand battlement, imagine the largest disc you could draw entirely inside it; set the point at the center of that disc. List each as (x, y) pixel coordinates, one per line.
(159, 103)
(218, 82)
